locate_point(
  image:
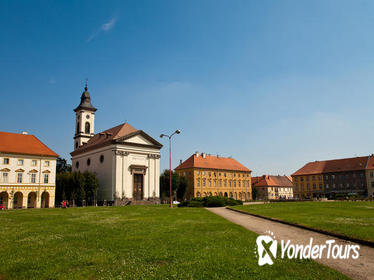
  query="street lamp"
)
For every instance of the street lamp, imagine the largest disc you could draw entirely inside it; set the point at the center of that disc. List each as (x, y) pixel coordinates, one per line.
(169, 136)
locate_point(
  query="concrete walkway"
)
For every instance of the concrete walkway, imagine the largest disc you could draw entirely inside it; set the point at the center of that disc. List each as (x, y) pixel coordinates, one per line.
(362, 268)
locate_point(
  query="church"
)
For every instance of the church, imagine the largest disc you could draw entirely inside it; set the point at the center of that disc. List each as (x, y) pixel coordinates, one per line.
(125, 160)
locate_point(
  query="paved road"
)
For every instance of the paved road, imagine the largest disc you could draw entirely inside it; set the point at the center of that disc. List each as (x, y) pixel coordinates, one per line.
(362, 268)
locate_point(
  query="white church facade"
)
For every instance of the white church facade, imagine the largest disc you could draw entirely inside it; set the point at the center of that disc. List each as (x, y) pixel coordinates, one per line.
(125, 160)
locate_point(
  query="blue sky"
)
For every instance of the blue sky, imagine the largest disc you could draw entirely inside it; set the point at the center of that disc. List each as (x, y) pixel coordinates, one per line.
(274, 84)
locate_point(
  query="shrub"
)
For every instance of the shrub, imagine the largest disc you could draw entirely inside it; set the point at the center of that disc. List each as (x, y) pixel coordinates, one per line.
(210, 201)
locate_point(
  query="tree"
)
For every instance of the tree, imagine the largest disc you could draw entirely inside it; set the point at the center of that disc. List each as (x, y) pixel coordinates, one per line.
(91, 184)
(62, 165)
(76, 187)
(179, 185)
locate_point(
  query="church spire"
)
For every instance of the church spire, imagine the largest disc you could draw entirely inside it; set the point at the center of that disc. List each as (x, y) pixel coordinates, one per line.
(85, 101)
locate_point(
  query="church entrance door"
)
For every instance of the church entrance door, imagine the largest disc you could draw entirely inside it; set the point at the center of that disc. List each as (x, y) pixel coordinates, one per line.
(138, 186)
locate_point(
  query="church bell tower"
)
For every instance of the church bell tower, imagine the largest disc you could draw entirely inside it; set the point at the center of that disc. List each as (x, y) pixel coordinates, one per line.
(84, 120)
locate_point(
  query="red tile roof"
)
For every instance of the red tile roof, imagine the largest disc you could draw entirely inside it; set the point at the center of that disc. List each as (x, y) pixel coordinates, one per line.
(336, 165)
(108, 136)
(274, 181)
(212, 162)
(370, 163)
(24, 144)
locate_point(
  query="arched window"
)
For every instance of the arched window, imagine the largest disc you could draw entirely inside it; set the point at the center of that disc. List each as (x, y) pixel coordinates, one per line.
(77, 127)
(87, 128)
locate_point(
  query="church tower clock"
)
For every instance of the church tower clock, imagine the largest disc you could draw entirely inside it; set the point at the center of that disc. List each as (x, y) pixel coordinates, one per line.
(84, 120)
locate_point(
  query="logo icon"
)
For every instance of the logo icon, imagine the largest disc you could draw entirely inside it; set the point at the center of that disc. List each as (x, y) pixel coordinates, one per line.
(266, 249)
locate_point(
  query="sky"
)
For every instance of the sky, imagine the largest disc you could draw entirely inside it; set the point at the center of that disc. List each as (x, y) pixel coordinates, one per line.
(274, 84)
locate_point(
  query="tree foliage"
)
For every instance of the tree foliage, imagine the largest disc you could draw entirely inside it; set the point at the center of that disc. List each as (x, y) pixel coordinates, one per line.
(62, 165)
(179, 185)
(76, 187)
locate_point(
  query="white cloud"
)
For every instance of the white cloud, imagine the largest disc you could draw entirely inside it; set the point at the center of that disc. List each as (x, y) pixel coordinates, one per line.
(105, 27)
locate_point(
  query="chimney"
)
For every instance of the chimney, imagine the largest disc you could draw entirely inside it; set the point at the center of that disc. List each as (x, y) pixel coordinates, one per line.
(203, 155)
(24, 132)
(197, 154)
(180, 162)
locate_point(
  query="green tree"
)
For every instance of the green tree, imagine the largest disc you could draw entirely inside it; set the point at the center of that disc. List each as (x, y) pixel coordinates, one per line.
(179, 185)
(91, 184)
(62, 165)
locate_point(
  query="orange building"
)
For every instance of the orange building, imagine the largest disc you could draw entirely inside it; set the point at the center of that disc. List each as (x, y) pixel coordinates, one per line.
(209, 175)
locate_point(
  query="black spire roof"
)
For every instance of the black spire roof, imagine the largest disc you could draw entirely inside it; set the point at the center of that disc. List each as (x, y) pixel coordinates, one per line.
(85, 101)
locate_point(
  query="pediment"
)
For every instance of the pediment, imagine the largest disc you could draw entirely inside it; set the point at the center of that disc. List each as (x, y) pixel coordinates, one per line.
(33, 171)
(5, 170)
(46, 171)
(20, 170)
(139, 138)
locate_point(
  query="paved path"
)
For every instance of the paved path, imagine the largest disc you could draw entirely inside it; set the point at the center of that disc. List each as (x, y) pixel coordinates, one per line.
(362, 268)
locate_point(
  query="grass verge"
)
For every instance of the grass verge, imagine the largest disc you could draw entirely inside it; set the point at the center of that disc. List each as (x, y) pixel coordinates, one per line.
(352, 219)
(136, 242)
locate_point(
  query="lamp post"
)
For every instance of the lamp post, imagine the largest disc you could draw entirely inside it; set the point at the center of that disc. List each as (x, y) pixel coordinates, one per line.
(169, 136)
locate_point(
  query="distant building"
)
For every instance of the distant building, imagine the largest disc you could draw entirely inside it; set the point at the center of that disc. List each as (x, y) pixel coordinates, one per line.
(332, 177)
(27, 172)
(214, 175)
(125, 160)
(369, 174)
(273, 187)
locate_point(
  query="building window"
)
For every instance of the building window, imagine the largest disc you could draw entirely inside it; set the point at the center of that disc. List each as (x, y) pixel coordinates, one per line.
(230, 183)
(77, 164)
(6, 161)
(203, 182)
(209, 183)
(20, 162)
(239, 184)
(224, 174)
(372, 184)
(46, 163)
(215, 183)
(198, 182)
(5, 177)
(89, 162)
(33, 178)
(225, 183)
(102, 158)
(203, 173)
(87, 127)
(220, 183)
(34, 162)
(46, 177)
(234, 183)
(76, 145)
(198, 172)
(19, 177)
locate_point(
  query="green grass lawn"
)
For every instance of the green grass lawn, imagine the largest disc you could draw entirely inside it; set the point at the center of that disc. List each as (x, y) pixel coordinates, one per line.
(354, 219)
(136, 242)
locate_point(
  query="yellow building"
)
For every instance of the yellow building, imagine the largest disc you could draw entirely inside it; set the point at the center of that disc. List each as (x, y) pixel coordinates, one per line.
(27, 172)
(307, 186)
(216, 176)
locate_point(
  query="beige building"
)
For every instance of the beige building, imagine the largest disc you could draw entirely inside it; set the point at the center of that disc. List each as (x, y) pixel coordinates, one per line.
(209, 175)
(273, 187)
(126, 160)
(27, 172)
